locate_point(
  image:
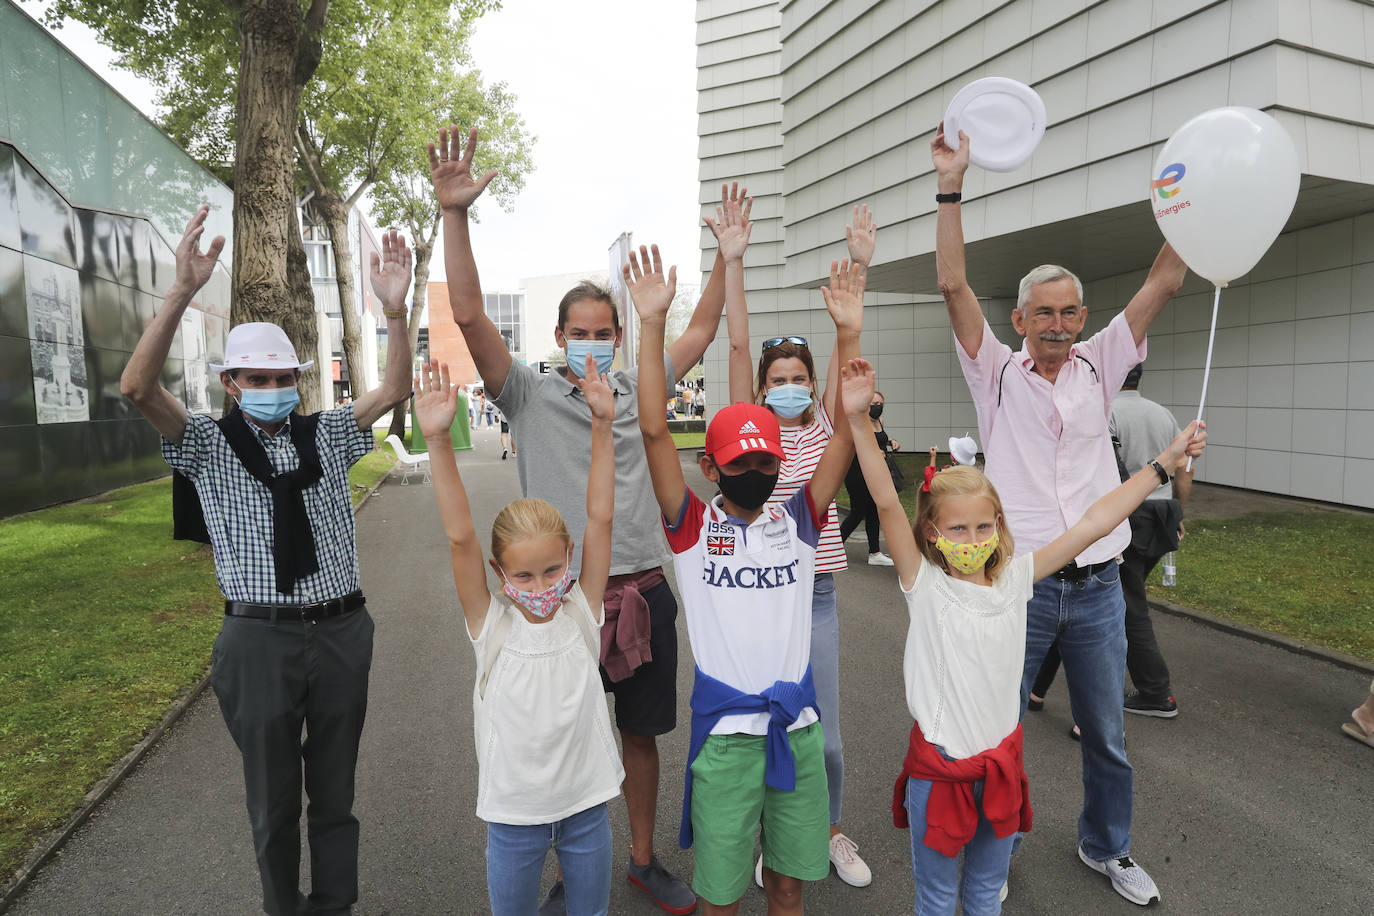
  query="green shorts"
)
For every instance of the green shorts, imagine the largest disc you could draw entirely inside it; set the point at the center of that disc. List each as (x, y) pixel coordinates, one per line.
(730, 800)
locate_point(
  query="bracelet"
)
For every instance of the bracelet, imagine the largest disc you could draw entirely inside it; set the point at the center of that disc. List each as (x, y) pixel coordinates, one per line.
(1159, 469)
(401, 312)
(949, 198)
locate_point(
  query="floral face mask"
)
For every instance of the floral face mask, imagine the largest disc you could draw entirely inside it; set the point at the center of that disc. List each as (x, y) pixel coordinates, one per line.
(966, 558)
(540, 604)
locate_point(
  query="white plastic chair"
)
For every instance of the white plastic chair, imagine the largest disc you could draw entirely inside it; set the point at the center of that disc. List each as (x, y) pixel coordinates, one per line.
(411, 462)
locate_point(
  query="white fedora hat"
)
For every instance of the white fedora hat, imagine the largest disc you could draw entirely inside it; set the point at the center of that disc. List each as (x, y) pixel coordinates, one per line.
(963, 451)
(259, 345)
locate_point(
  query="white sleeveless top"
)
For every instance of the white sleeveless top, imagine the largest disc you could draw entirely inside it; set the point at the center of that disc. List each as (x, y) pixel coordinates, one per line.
(965, 651)
(545, 749)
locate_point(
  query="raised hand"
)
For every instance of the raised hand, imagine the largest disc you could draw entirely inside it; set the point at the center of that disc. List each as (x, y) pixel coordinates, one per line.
(193, 268)
(731, 227)
(391, 273)
(451, 172)
(949, 163)
(844, 297)
(652, 294)
(861, 235)
(857, 381)
(1186, 445)
(596, 391)
(436, 401)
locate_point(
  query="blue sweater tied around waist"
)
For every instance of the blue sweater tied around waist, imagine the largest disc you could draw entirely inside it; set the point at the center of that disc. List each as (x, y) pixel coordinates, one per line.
(712, 700)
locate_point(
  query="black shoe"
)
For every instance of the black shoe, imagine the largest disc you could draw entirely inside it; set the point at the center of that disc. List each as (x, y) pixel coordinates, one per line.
(1139, 705)
(1034, 705)
(503, 454)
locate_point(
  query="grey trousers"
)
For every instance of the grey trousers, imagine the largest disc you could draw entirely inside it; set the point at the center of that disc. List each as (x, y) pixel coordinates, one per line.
(272, 679)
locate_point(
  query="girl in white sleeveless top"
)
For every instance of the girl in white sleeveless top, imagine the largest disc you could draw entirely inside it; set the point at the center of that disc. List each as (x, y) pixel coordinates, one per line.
(963, 787)
(547, 758)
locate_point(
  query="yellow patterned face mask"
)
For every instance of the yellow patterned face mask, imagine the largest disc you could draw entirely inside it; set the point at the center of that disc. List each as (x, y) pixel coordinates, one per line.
(966, 558)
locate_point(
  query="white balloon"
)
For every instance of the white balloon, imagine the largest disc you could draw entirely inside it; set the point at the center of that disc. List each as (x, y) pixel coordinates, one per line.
(1222, 189)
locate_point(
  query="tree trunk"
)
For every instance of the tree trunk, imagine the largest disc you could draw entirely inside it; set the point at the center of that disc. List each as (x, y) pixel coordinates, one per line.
(334, 212)
(267, 286)
(424, 250)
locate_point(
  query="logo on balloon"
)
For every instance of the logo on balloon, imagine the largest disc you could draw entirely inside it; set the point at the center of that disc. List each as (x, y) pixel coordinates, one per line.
(1171, 176)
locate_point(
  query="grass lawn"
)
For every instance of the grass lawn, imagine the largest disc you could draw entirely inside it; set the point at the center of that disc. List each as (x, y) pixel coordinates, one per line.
(1308, 575)
(689, 440)
(104, 622)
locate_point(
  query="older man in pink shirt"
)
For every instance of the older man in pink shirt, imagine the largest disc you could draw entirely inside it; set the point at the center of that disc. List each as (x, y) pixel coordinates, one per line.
(1042, 415)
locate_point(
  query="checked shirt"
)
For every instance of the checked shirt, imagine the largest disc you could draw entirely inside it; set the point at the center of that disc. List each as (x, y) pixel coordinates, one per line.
(238, 509)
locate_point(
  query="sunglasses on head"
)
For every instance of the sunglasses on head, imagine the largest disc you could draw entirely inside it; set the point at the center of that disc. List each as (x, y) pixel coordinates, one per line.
(772, 342)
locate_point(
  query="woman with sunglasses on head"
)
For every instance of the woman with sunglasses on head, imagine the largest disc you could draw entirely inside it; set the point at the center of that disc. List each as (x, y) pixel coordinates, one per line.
(786, 385)
(862, 509)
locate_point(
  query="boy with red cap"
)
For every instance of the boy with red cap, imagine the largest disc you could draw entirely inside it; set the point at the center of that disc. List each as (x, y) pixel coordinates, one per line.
(745, 575)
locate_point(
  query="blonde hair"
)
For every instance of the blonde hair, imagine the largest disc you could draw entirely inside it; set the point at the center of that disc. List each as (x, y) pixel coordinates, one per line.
(525, 519)
(961, 481)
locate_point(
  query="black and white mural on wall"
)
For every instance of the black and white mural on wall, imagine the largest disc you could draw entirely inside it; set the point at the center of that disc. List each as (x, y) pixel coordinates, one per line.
(197, 372)
(53, 297)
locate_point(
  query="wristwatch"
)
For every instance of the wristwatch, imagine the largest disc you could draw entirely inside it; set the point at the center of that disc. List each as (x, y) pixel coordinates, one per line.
(1159, 469)
(952, 198)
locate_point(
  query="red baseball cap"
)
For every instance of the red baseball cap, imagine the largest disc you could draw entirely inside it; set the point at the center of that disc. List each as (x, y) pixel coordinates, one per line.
(742, 428)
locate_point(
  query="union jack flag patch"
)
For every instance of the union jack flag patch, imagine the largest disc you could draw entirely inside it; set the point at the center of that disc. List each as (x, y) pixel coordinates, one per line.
(720, 546)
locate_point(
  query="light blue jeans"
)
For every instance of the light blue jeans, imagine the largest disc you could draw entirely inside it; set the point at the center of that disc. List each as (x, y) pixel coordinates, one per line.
(1089, 618)
(939, 884)
(825, 672)
(515, 862)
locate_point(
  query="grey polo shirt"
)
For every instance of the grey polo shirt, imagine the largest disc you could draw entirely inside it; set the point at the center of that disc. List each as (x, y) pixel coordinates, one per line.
(552, 426)
(1144, 429)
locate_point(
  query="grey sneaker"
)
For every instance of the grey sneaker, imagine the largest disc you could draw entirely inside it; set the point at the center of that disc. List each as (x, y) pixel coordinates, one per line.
(555, 902)
(667, 889)
(1128, 878)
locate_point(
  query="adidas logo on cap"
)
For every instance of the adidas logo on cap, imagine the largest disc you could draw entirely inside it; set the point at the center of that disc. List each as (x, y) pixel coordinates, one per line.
(749, 428)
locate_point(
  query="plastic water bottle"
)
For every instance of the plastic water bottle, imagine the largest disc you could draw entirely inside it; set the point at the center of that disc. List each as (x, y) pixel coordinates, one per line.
(1170, 570)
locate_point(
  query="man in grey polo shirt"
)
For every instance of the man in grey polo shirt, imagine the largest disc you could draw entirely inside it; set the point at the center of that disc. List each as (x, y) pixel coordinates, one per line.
(551, 422)
(1136, 425)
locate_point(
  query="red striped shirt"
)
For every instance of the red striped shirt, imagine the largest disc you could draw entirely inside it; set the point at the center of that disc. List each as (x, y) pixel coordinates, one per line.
(802, 447)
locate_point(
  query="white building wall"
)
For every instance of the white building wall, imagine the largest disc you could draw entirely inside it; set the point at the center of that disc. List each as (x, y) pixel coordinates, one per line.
(822, 104)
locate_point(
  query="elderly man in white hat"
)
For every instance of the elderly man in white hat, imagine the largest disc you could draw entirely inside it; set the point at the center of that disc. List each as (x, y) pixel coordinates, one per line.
(296, 645)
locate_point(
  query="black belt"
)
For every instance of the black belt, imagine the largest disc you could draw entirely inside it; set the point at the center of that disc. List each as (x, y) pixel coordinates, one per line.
(1071, 573)
(320, 610)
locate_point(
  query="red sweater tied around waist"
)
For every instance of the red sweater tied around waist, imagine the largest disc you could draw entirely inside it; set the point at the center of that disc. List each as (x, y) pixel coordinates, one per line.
(952, 813)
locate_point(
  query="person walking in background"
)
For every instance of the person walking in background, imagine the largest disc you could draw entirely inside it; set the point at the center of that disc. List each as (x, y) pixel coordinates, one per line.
(295, 648)
(1138, 426)
(862, 509)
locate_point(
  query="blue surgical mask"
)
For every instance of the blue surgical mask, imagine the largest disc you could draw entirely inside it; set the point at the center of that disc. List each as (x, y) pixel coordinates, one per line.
(789, 401)
(603, 351)
(268, 405)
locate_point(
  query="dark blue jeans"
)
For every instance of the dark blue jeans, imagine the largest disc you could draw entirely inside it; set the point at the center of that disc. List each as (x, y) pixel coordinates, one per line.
(1088, 619)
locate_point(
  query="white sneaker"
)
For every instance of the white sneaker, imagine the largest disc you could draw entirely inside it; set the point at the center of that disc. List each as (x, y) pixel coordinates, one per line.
(1129, 879)
(758, 871)
(844, 854)
(879, 559)
(1002, 894)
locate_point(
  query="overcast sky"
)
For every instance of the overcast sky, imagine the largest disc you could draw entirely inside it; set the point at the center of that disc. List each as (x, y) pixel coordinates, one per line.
(609, 89)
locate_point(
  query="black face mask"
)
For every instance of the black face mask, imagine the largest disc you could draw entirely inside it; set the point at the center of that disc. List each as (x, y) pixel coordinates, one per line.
(875, 410)
(749, 490)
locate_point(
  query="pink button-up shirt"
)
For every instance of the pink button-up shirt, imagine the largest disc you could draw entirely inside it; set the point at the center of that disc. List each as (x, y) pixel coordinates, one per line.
(1048, 450)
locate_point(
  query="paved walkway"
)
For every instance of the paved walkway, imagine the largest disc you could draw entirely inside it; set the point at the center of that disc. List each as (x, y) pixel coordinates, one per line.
(1251, 802)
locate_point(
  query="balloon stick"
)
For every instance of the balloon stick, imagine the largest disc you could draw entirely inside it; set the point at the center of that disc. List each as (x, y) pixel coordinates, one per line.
(1207, 370)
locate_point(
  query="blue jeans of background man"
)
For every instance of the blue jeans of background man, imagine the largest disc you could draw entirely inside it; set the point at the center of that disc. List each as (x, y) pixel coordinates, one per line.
(825, 673)
(515, 863)
(939, 885)
(1088, 619)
